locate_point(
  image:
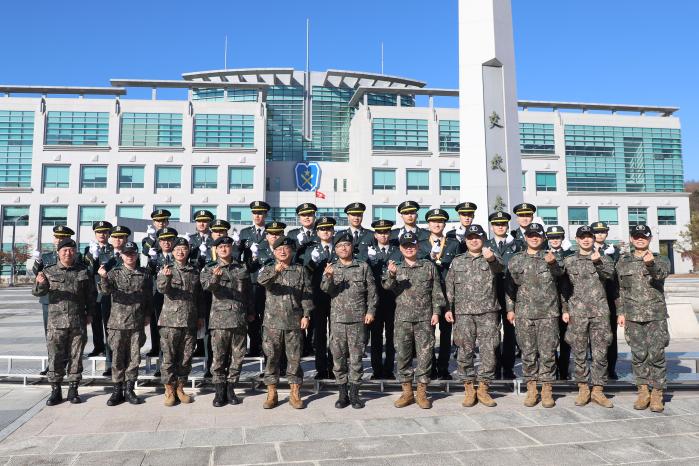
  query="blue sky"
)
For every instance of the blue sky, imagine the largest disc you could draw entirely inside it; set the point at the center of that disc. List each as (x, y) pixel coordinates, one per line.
(621, 51)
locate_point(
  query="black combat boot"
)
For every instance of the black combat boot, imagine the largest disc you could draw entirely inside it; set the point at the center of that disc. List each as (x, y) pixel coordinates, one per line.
(56, 395)
(343, 399)
(72, 395)
(220, 397)
(232, 397)
(357, 403)
(117, 397)
(129, 394)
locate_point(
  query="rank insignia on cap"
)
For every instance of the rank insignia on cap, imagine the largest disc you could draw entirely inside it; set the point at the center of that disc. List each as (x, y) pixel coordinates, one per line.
(499, 217)
(275, 227)
(475, 230)
(166, 233)
(120, 231)
(408, 207)
(62, 231)
(355, 208)
(101, 226)
(160, 214)
(259, 207)
(306, 208)
(382, 226)
(326, 222)
(219, 225)
(524, 209)
(438, 215)
(466, 208)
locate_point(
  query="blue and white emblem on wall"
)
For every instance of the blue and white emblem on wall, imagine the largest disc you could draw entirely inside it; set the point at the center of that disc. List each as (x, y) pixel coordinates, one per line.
(307, 176)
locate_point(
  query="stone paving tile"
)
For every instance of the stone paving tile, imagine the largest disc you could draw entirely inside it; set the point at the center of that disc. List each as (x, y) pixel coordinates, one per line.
(91, 442)
(333, 430)
(183, 456)
(551, 416)
(501, 438)
(151, 440)
(212, 437)
(509, 456)
(437, 442)
(500, 419)
(558, 455)
(361, 462)
(245, 454)
(28, 446)
(391, 426)
(665, 425)
(309, 451)
(676, 446)
(447, 423)
(433, 459)
(38, 460)
(597, 413)
(8, 416)
(4, 460)
(634, 450)
(565, 433)
(377, 446)
(282, 433)
(113, 458)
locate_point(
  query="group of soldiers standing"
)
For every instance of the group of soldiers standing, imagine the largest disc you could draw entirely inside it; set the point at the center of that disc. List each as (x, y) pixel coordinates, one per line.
(318, 291)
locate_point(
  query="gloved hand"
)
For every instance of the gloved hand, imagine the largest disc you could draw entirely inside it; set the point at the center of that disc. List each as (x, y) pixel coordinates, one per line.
(36, 254)
(371, 251)
(202, 249)
(254, 248)
(436, 248)
(315, 255)
(301, 237)
(565, 244)
(150, 231)
(235, 236)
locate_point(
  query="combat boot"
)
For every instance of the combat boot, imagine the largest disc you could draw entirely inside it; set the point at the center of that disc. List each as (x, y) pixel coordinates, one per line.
(583, 397)
(483, 395)
(272, 397)
(72, 395)
(547, 400)
(407, 397)
(357, 403)
(56, 396)
(599, 398)
(129, 394)
(117, 397)
(469, 395)
(295, 396)
(232, 397)
(170, 399)
(181, 395)
(343, 400)
(220, 396)
(421, 397)
(656, 401)
(532, 397)
(643, 399)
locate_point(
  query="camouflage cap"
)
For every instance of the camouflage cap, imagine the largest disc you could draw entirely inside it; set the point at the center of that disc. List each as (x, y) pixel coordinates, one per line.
(534, 229)
(283, 241)
(223, 240)
(408, 238)
(345, 236)
(640, 230)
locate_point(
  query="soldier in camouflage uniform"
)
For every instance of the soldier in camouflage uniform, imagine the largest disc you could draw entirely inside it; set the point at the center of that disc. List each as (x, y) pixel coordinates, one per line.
(587, 315)
(419, 303)
(288, 309)
(466, 211)
(131, 289)
(408, 211)
(71, 301)
(473, 306)
(351, 286)
(643, 314)
(533, 297)
(231, 310)
(182, 314)
(560, 247)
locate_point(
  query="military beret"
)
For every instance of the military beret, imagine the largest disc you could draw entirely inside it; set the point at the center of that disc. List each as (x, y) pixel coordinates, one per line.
(583, 231)
(382, 226)
(160, 214)
(219, 225)
(101, 226)
(62, 231)
(466, 208)
(259, 207)
(499, 217)
(166, 233)
(599, 226)
(179, 241)
(345, 236)
(640, 230)
(555, 231)
(436, 215)
(534, 229)
(325, 222)
(408, 207)
(275, 227)
(355, 208)
(524, 209)
(283, 241)
(408, 238)
(474, 230)
(306, 209)
(129, 246)
(223, 240)
(120, 231)
(65, 243)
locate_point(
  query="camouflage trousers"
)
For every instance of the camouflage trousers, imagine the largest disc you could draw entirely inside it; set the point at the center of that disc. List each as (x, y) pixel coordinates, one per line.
(594, 332)
(648, 341)
(177, 346)
(275, 342)
(538, 341)
(126, 353)
(417, 338)
(228, 345)
(347, 343)
(472, 328)
(65, 349)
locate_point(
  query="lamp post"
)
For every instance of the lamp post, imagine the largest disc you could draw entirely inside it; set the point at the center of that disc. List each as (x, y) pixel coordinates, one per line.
(12, 265)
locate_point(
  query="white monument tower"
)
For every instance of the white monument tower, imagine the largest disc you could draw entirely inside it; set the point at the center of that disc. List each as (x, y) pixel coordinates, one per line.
(491, 167)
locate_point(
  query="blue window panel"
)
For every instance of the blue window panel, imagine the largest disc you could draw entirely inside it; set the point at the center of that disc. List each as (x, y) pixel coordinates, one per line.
(418, 180)
(385, 212)
(338, 214)
(131, 177)
(638, 215)
(609, 215)
(667, 216)
(77, 128)
(54, 215)
(194, 208)
(56, 176)
(390, 100)
(234, 131)
(204, 177)
(549, 215)
(285, 123)
(93, 176)
(238, 214)
(242, 95)
(174, 210)
(16, 142)
(449, 136)
(331, 116)
(241, 177)
(577, 216)
(545, 181)
(283, 214)
(90, 214)
(399, 134)
(130, 211)
(536, 138)
(151, 130)
(10, 213)
(209, 94)
(384, 178)
(449, 180)
(168, 177)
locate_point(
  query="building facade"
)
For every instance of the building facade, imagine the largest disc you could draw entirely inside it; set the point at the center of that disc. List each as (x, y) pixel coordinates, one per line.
(72, 155)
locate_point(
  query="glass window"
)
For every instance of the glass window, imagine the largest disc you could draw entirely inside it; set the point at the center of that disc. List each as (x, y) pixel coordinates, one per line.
(204, 177)
(10, 213)
(131, 177)
(77, 128)
(54, 215)
(56, 176)
(130, 211)
(418, 180)
(240, 178)
(390, 100)
(283, 214)
(338, 214)
(609, 215)
(16, 142)
(207, 93)
(449, 136)
(224, 131)
(168, 177)
(549, 215)
(93, 176)
(399, 134)
(666, 216)
(90, 214)
(151, 130)
(536, 138)
(637, 215)
(449, 180)
(386, 212)
(545, 181)
(577, 216)
(174, 211)
(285, 123)
(331, 117)
(238, 213)
(194, 208)
(383, 178)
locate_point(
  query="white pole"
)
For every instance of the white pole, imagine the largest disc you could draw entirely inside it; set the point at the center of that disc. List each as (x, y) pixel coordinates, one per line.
(381, 57)
(225, 53)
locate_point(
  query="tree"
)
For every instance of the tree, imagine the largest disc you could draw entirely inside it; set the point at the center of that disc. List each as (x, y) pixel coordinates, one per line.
(688, 245)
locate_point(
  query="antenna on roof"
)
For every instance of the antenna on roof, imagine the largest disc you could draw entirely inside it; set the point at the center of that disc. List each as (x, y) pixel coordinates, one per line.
(225, 53)
(307, 86)
(381, 57)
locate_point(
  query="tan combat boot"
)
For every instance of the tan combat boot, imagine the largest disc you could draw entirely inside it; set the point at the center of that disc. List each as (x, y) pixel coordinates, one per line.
(547, 396)
(643, 399)
(483, 395)
(181, 395)
(421, 397)
(532, 397)
(599, 398)
(272, 397)
(295, 396)
(407, 397)
(169, 395)
(583, 397)
(469, 395)
(656, 401)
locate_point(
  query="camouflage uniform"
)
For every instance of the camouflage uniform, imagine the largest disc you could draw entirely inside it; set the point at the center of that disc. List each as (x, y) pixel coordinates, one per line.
(131, 292)
(353, 295)
(182, 307)
(471, 293)
(418, 297)
(362, 238)
(563, 354)
(154, 265)
(231, 304)
(533, 296)
(642, 302)
(45, 260)
(248, 237)
(288, 299)
(589, 315)
(71, 299)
